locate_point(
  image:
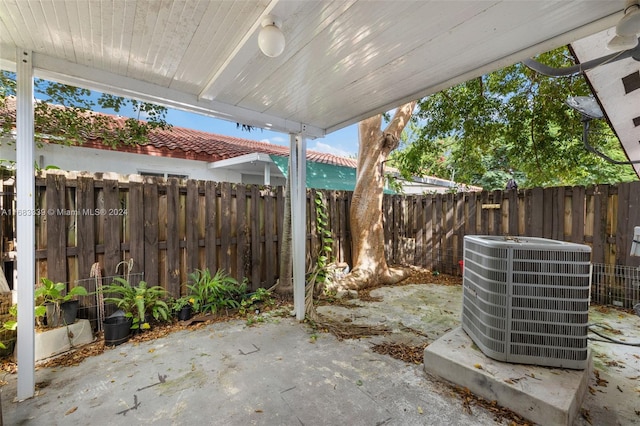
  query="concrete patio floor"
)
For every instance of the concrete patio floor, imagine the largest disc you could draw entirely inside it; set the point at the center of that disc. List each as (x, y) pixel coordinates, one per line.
(280, 372)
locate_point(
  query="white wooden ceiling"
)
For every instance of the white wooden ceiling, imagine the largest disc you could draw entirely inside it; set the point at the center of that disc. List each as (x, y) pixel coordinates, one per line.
(344, 60)
(616, 85)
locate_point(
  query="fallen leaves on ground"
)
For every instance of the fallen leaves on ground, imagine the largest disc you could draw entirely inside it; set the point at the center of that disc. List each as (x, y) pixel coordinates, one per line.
(365, 296)
(427, 276)
(599, 381)
(412, 354)
(344, 331)
(500, 413)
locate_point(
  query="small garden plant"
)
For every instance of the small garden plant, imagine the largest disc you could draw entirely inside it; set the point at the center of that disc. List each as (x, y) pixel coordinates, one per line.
(214, 293)
(251, 301)
(138, 302)
(9, 325)
(50, 293)
(211, 294)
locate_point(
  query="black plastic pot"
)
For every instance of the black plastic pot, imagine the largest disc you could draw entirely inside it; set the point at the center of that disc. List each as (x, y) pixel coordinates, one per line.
(65, 316)
(185, 313)
(117, 330)
(8, 347)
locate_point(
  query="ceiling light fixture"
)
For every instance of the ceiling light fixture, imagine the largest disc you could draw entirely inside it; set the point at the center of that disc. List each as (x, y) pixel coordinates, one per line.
(627, 29)
(271, 39)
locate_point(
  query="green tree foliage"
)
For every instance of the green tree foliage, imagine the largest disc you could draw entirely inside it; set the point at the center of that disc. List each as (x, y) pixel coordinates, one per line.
(76, 122)
(512, 122)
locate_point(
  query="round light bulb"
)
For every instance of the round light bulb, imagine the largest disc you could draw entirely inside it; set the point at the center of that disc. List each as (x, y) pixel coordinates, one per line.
(271, 41)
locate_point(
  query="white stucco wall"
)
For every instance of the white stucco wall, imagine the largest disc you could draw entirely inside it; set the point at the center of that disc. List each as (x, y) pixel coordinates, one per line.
(73, 158)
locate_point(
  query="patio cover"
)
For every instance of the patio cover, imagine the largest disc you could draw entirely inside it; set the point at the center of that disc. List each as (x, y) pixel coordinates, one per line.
(344, 60)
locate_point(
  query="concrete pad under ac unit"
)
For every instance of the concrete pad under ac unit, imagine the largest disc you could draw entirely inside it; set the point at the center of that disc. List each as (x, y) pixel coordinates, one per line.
(546, 396)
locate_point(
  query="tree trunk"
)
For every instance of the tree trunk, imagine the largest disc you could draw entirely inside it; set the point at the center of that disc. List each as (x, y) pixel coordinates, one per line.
(367, 233)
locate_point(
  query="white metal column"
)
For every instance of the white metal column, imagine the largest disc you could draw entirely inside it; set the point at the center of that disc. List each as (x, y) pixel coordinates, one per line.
(267, 173)
(25, 185)
(297, 180)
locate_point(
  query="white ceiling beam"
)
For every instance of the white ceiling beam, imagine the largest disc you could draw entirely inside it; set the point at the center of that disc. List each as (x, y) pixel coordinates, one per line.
(55, 69)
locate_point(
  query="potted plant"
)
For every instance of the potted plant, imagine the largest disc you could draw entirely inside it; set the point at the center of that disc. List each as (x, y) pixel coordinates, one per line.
(138, 302)
(183, 307)
(59, 305)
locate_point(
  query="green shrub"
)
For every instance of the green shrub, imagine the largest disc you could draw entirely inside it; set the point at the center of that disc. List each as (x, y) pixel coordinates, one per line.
(213, 293)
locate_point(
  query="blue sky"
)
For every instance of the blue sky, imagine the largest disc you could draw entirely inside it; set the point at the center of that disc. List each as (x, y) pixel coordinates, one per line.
(343, 142)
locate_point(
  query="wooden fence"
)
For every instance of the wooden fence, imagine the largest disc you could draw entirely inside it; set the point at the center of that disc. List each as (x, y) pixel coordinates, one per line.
(171, 227)
(428, 231)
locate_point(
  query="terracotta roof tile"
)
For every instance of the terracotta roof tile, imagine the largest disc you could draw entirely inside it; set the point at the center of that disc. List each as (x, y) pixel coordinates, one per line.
(212, 147)
(180, 142)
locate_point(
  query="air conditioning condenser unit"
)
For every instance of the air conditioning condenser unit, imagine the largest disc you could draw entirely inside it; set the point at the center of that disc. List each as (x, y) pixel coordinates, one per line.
(526, 299)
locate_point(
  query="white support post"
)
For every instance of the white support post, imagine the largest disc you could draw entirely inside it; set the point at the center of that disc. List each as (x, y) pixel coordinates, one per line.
(267, 173)
(297, 176)
(25, 186)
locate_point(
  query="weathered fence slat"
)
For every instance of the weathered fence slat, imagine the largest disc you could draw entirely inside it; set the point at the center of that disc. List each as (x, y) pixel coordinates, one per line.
(86, 236)
(111, 217)
(600, 197)
(211, 228)
(242, 266)
(135, 216)
(269, 247)
(56, 228)
(225, 227)
(173, 238)
(428, 232)
(256, 264)
(151, 255)
(577, 214)
(192, 222)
